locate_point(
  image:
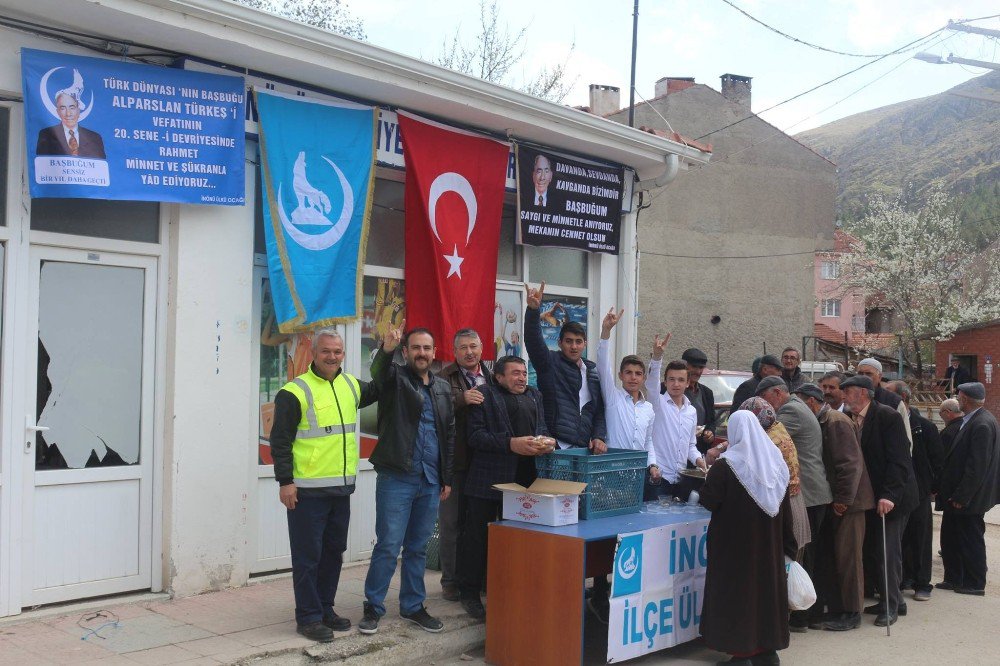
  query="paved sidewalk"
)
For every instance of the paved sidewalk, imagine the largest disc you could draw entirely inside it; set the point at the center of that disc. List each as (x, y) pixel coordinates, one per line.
(231, 626)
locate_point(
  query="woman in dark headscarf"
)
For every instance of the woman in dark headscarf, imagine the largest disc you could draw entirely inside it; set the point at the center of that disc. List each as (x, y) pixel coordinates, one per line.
(745, 613)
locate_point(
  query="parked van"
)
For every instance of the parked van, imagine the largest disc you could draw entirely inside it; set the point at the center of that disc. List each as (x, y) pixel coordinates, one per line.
(813, 370)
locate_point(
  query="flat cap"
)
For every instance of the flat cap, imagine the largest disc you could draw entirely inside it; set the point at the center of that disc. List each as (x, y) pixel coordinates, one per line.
(872, 362)
(769, 383)
(858, 380)
(811, 390)
(771, 360)
(974, 390)
(695, 356)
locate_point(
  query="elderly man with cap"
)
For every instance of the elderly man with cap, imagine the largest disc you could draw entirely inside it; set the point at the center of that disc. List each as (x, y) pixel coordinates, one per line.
(887, 459)
(966, 491)
(769, 366)
(839, 566)
(872, 369)
(701, 397)
(806, 434)
(927, 459)
(951, 413)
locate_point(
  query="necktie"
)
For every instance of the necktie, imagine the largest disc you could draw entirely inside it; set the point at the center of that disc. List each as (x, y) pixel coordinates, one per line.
(74, 145)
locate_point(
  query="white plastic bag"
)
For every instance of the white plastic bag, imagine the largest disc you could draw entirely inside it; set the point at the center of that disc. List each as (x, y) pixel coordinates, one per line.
(801, 593)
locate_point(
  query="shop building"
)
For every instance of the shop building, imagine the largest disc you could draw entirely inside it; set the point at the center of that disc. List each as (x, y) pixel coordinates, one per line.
(140, 331)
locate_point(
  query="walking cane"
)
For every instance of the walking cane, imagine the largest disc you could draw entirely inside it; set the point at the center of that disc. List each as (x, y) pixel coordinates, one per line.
(885, 562)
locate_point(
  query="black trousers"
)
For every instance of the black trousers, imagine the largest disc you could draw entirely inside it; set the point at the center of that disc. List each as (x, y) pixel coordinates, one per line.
(808, 559)
(917, 547)
(963, 549)
(895, 525)
(470, 565)
(317, 534)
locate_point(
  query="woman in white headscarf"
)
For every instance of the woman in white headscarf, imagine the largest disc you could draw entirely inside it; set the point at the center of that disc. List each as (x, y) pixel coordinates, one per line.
(745, 613)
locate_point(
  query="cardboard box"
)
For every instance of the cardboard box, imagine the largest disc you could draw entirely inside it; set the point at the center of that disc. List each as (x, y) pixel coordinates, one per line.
(546, 502)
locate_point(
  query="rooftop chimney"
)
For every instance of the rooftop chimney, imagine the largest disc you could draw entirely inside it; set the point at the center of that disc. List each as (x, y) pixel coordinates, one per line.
(736, 89)
(604, 99)
(672, 84)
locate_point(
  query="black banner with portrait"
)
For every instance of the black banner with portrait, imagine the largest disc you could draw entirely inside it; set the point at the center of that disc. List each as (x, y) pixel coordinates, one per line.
(567, 203)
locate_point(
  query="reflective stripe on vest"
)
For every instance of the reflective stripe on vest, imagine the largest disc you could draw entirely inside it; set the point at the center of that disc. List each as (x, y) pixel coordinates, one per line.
(325, 482)
(325, 451)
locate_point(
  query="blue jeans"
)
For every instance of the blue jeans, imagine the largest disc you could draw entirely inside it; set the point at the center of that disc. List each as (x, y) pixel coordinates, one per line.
(406, 508)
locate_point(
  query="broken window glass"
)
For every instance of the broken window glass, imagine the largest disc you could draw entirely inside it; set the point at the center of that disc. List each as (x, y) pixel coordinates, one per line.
(90, 329)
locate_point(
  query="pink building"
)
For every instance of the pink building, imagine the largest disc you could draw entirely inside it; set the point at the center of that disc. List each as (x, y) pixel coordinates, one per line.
(839, 311)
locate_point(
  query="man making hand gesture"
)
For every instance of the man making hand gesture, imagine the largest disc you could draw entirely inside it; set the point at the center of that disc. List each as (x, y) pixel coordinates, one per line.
(570, 386)
(674, 427)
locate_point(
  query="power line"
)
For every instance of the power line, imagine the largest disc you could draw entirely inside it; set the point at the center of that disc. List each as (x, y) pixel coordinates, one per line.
(802, 41)
(915, 44)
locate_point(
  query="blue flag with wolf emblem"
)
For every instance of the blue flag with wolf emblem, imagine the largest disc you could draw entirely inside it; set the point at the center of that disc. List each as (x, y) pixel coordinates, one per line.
(317, 170)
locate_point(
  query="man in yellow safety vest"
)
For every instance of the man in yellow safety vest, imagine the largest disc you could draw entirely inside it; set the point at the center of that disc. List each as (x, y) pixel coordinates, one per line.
(315, 450)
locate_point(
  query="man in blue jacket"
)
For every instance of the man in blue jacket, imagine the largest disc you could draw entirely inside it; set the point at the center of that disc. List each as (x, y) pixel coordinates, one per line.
(572, 399)
(570, 385)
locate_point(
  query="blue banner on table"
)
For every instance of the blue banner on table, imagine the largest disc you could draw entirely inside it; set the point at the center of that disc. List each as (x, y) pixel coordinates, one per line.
(658, 587)
(105, 129)
(567, 203)
(317, 167)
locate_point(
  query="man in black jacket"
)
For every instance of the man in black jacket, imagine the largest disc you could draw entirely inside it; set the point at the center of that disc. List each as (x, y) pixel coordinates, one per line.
(918, 537)
(505, 433)
(966, 491)
(767, 366)
(702, 398)
(887, 458)
(955, 376)
(465, 376)
(416, 437)
(951, 413)
(570, 385)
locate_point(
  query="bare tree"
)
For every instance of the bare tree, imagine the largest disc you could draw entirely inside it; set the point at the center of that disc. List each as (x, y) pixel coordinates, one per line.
(332, 15)
(494, 52)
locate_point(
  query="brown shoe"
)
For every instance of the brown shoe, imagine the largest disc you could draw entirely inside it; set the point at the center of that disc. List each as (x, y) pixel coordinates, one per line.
(450, 593)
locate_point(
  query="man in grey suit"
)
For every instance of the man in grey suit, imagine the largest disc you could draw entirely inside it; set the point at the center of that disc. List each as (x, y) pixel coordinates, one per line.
(806, 434)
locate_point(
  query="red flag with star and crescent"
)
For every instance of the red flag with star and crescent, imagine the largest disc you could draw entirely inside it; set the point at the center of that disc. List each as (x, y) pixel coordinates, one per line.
(454, 201)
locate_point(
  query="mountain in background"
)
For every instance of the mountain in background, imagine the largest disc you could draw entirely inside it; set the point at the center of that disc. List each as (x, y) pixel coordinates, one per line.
(951, 140)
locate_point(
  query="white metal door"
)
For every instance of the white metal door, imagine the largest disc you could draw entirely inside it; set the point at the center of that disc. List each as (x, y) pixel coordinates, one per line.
(88, 428)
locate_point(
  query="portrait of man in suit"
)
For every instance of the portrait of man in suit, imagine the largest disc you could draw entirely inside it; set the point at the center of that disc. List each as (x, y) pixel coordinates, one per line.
(68, 137)
(541, 176)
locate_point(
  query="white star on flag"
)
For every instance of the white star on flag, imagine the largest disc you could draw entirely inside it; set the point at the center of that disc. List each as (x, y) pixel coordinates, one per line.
(454, 263)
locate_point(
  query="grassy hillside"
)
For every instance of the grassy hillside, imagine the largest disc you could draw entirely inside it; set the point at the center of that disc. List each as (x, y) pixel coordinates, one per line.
(950, 140)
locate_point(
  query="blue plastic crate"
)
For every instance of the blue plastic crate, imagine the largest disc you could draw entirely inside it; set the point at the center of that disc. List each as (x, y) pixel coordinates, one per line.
(614, 479)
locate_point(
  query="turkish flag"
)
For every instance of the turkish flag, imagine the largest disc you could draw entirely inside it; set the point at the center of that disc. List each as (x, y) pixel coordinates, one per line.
(454, 201)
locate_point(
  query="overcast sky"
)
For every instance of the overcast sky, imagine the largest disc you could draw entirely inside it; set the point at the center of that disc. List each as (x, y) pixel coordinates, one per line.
(707, 38)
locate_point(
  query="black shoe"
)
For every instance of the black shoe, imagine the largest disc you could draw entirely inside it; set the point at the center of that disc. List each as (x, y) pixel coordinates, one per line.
(369, 623)
(765, 659)
(879, 609)
(336, 622)
(966, 590)
(474, 607)
(316, 631)
(922, 594)
(816, 622)
(798, 628)
(600, 607)
(885, 619)
(945, 585)
(843, 622)
(450, 593)
(423, 619)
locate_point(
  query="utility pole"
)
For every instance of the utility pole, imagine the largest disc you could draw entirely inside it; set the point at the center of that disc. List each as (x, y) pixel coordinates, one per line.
(961, 27)
(635, 42)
